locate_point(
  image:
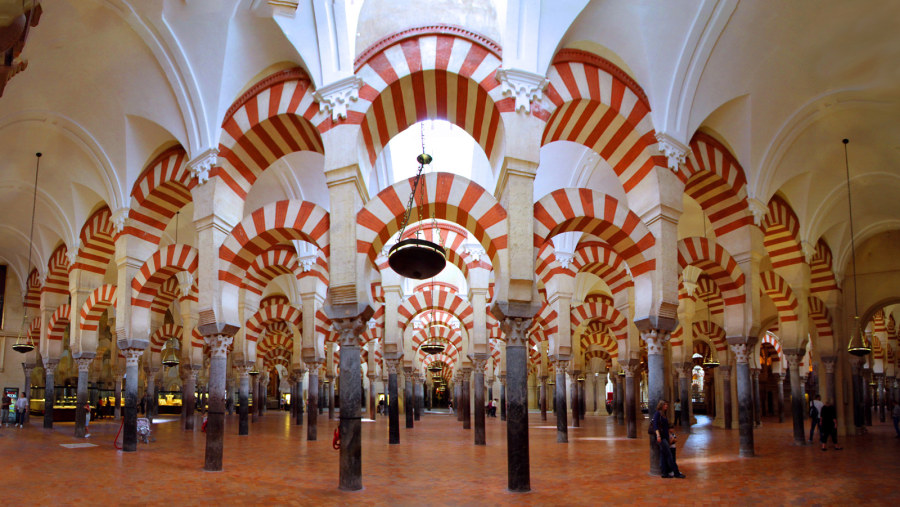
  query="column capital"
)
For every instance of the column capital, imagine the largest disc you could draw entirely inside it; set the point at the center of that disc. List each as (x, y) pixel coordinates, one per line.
(754, 373)
(516, 329)
(741, 352)
(479, 361)
(776, 376)
(393, 365)
(50, 364)
(350, 328)
(685, 370)
(631, 368)
(334, 98)
(656, 340)
(525, 86)
(726, 372)
(84, 364)
(675, 151)
(562, 365)
(793, 357)
(218, 344)
(828, 362)
(132, 356)
(503, 379)
(202, 164)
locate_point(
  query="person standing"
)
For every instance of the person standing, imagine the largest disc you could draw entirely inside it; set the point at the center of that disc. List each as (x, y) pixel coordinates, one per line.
(828, 426)
(87, 419)
(895, 415)
(7, 401)
(22, 406)
(677, 411)
(659, 425)
(815, 411)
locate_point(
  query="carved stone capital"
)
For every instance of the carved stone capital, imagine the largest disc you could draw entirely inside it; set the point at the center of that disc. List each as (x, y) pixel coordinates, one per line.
(119, 219)
(754, 373)
(218, 344)
(502, 379)
(656, 340)
(243, 370)
(685, 370)
(828, 363)
(336, 97)
(741, 352)
(631, 369)
(793, 358)
(84, 364)
(185, 282)
(202, 164)
(50, 364)
(350, 329)
(307, 262)
(564, 258)
(675, 152)
(525, 86)
(393, 365)
(562, 365)
(758, 209)
(516, 329)
(132, 356)
(479, 362)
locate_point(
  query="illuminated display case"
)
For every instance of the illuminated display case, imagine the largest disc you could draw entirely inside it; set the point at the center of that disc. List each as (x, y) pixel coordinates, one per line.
(169, 402)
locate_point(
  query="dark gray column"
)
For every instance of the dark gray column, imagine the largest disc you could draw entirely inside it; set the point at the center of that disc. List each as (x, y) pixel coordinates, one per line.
(393, 401)
(129, 428)
(879, 379)
(828, 363)
(215, 420)
(408, 399)
(323, 396)
(620, 397)
(779, 381)
(329, 388)
(49, 391)
(26, 389)
(502, 397)
(351, 399)
(457, 396)
(576, 401)
(262, 387)
(685, 374)
(562, 423)
(656, 384)
(867, 390)
(543, 398)
(754, 377)
(188, 396)
(243, 398)
(84, 367)
(292, 379)
(298, 401)
(372, 403)
(118, 394)
(312, 400)
(856, 384)
(415, 399)
(727, 407)
(467, 400)
(518, 466)
(479, 362)
(745, 398)
(797, 404)
(582, 402)
(630, 403)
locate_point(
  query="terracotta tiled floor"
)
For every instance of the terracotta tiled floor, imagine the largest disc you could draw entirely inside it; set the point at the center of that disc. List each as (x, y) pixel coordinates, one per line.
(437, 464)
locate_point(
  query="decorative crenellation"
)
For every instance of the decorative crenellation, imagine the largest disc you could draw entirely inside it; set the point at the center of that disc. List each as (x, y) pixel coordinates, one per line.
(656, 340)
(526, 87)
(202, 164)
(350, 329)
(516, 329)
(218, 344)
(132, 356)
(758, 209)
(675, 152)
(726, 372)
(307, 262)
(119, 219)
(741, 352)
(337, 96)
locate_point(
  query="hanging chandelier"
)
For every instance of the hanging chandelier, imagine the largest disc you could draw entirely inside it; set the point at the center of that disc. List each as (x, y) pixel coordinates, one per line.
(417, 257)
(435, 368)
(170, 358)
(254, 372)
(433, 346)
(710, 361)
(24, 342)
(858, 345)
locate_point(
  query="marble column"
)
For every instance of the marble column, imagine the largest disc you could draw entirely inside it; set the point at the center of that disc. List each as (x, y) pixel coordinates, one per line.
(393, 366)
(503, 397)
(26, 389)
(329, 388)
(542, 400)
(562, 423)
(351, 400)
(372, 403)
(867, 395)
(742, 353)
(620, 398)
(118, 391)
(518, 466)
(215, 420)
(879, 379)
(49, 391)
(408, 396)
(299, 399)
(262, 388)
(84, 367)
(793, 358)
(576, 400)
(457, 396)
(582, 402)
(478, 363)
(416, 398)
(467, 400)
(292, 381)
(727, 406)
(129, 428)
(828, 363)
(312, 400)
(254, 392)
(188, 396)
(856, 383)
(757, 407)
(243, 397)
(630, 404)
(656, 385)
(601, 391)
(779, 381)
(685, 377)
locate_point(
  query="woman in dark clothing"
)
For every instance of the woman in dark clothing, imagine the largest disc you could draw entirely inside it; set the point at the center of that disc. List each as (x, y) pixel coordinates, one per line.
(659, 425)
(828, 421)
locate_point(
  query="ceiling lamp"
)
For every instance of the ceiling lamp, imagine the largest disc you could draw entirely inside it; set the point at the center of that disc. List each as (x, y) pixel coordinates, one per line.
(416, 257)
(24, 342)
(435, 368)
(254, 372)
(710, 361)
(858, 345)
(170, 357)
(433, 346)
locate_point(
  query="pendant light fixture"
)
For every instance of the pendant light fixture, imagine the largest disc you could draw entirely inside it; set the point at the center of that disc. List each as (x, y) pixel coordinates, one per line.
(434, 344)
(416, 257)
(170, 358)
(254, 372)
(710, 361)
(24, 342)
(858, 345)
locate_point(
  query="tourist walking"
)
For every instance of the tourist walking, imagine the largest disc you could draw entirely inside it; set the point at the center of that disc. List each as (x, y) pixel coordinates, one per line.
(22, 406)
(828, 427)
(815, 411)
(659, 425)
(895, 414)
(7, 401)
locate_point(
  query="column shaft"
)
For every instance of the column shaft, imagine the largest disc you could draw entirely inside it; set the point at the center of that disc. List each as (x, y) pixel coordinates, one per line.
(467, 401)
(215, 414)
(630, 423)
(518, 466)
(129, 429)
(503, 408)
(727, 407)
(244, 401)
(82, 398)
(49, 394)
(351, 403)
(543, 398)
(576, 402)
(479, 403)
(562, 429)
(394, 407)
(408, 400)
(312, 403)
(797, 402)
(745, 409)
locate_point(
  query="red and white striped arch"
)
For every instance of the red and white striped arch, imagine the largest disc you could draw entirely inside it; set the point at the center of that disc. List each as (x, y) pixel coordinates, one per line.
(602, 340)
(274, 299)
(782, 229)
(439, 300)
(769, 339)
(714, 178)
(97, 245)
(821, 276)
(98, 302)
(590, 212)
(781, 295)
(168, 292)
(274, 224)
(597, 105)
(279, 312)
(547, 265)
(603, 355)
(272, 119)
(276, 342)
(430, 73)
(163, 188)
(159, 268)
(57, 272)
(34, 329)
(447, 197)
(163, 333)
(715, 261)
(818, 312)
(276, 261)
(453, 238)
(33, 290)
(599, 259)
(713, 332)
(452, 336)
(58, 322)
(708, 292)
(607, 314)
